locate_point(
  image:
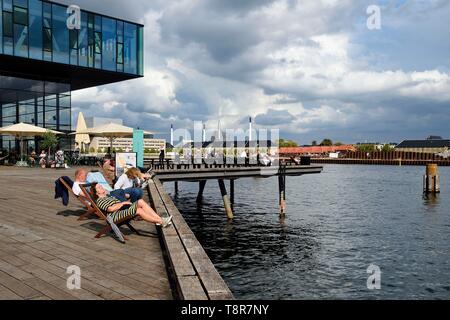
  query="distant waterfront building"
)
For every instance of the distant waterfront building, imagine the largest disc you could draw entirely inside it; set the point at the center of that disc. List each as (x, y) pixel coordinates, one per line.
(316, 150)
(126, 144)
(433, 144)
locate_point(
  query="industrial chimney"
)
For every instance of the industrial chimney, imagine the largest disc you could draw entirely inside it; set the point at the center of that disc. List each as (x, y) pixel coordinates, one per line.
(250, 129)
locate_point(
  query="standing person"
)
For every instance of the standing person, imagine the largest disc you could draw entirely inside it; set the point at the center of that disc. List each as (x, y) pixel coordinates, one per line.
(130, 182)
(161, 155)
(108, 168)
(42, 159)
(32, 159)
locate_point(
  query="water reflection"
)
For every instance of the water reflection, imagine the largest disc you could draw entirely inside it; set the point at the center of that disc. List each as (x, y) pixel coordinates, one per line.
(431, 200)
(336, 225)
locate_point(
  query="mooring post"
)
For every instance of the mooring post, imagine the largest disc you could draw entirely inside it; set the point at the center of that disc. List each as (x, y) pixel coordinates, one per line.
(226, 201)
(232, 191)
(201, 187)
(431, 179)
(282, 189)
(176, 187)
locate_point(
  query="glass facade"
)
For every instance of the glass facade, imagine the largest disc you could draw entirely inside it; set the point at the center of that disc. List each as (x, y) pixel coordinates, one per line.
(37, 29)
(41, 103)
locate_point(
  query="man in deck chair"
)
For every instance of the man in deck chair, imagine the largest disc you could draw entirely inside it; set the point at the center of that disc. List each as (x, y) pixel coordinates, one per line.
(117, 211)
(97, 177)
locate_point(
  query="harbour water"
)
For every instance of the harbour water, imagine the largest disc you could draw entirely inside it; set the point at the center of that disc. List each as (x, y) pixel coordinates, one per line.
(337, 224)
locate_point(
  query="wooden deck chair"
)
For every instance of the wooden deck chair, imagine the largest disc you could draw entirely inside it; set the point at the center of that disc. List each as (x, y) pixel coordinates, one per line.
(84, 201)
(101, 215)
(105, 174)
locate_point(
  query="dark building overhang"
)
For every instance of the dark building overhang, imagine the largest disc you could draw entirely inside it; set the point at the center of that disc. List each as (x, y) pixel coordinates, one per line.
(78, 77)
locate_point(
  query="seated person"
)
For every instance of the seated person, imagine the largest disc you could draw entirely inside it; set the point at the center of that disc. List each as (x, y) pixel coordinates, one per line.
(118, 211)
(82, 177)
(97, 177)
(130, 182)
(108, 168)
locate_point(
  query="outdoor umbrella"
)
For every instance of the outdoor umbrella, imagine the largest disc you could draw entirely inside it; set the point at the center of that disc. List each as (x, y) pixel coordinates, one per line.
(111, 131)
(81, 138)
(22, 130)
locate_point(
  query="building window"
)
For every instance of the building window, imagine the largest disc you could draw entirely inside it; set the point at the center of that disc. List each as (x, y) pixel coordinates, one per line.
(73, 43)
(83, 41)
(130, 52)
(21, 40)
(119, 46)
(60, 34)
(7, 24)
(47, 31)
(109, 35)
(20, 15)
(35, 29)
(91, 40)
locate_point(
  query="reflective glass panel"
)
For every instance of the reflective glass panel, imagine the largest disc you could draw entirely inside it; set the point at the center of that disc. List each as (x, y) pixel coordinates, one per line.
(60, 35)
(109, 44)
(35, 31)
(20, 15)
(83, 41)
(20, 40)
(130, 51)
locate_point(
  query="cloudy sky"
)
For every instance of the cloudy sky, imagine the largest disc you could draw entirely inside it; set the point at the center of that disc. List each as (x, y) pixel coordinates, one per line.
(311, 68)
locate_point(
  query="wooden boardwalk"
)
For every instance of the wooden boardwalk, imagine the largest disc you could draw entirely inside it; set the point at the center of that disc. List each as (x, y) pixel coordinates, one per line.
(40, 238)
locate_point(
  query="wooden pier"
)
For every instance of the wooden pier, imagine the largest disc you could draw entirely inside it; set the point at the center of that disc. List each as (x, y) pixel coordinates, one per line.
(201, 173)
(40, 239)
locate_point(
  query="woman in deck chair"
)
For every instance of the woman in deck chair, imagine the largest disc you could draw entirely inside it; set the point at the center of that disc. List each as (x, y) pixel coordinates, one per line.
(131, 182)
(117, 211)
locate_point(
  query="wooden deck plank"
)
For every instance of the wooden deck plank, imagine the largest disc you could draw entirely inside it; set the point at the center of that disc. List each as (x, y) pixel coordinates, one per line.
(40, 238)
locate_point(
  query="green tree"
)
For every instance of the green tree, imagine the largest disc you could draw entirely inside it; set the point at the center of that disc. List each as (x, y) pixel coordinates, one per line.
(386, 148)
(367, 148)
(314, 143)
(92, 150)
(326, 143)
(287, 143)
(338, 144)
(49, 141)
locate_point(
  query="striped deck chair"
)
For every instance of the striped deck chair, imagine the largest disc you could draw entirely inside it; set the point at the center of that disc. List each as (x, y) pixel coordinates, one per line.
(84, 201)
(109, 226)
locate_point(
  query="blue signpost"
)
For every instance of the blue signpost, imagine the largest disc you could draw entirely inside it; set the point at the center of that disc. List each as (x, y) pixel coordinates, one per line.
(138, 146)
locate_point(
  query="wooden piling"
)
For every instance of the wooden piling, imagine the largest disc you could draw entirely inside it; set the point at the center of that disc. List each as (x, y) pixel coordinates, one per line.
(226, 201)
(431, 183)
(201, 188)
(282, 190)
(232, 191)
(176, 187)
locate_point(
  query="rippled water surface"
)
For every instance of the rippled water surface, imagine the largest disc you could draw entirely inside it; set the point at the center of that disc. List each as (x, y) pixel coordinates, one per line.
(337, 224)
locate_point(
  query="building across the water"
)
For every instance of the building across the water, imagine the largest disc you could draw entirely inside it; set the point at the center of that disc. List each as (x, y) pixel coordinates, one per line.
(42, 61)
(433, 144)
(100, 145)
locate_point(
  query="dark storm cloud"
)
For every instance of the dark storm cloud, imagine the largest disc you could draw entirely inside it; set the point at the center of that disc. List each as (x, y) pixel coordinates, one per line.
(274, 117)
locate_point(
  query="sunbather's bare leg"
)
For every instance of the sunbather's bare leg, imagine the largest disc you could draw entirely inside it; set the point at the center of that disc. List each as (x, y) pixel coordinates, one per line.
(147, 213)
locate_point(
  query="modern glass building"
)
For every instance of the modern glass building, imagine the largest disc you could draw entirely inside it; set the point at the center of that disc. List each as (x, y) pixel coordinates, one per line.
(42, 61)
